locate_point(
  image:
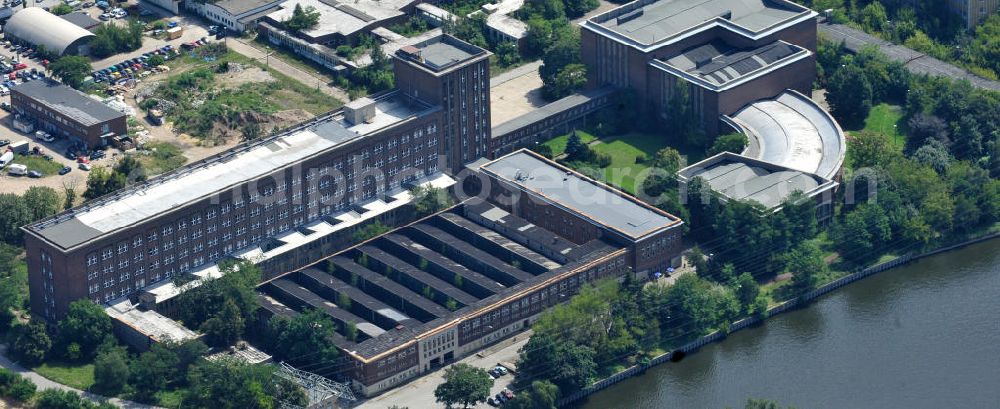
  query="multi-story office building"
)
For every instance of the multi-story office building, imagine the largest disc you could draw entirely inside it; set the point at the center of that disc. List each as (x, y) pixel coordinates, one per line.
(451, 72)
(114, 246)
(727, 52)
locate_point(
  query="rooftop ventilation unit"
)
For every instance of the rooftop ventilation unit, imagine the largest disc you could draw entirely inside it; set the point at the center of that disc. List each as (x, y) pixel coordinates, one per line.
(360, 111)
(630, 16)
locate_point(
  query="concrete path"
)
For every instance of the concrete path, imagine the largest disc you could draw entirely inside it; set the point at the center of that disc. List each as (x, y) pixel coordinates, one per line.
(45, 383)
(916, 62)
(242, 47)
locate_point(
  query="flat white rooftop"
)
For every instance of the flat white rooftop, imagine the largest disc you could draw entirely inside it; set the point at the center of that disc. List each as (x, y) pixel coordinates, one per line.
(648, 22)
(343, 17)
(293, 239)
(204, 179)
(149, 323)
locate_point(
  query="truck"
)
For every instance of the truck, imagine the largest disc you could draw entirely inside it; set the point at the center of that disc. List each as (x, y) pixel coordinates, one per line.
(174, 33)
(6, 158)
(17, 170)
(20, 148)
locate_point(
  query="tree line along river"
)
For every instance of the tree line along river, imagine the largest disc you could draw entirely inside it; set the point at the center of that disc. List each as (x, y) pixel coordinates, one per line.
(924, 335)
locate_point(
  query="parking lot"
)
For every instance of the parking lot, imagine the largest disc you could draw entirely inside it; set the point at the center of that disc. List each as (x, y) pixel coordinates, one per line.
(419, 393)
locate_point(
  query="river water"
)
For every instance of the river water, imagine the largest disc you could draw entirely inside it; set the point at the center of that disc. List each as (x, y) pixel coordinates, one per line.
(925, 335)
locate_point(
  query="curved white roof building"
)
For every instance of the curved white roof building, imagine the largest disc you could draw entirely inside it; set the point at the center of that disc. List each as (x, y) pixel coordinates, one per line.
(790, 130)
(36, 26)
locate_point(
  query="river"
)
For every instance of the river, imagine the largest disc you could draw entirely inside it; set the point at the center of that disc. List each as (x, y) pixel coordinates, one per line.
(924, 335)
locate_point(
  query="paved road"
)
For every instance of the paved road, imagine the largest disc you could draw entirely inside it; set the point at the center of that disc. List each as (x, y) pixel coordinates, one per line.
(44, 383)
(916, 62)
(276, 63)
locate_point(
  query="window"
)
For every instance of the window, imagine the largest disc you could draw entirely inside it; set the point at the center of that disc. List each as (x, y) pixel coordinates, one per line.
(106, 254)
(91, 259)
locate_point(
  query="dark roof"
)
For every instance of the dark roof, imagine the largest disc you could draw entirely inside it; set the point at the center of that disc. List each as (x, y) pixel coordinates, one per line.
(83, 20)
(720, 63)
(237, 7)
(580, 195)
(68, 102)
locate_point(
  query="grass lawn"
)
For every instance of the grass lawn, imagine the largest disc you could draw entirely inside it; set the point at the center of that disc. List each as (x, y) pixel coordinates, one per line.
(887, 120)
(35, 162)
(164, 157)
(558, 144)
(623, 151)
(80, 376)
(170, 399)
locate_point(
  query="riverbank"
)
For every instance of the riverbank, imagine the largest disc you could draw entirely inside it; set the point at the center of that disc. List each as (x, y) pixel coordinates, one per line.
(786, 306)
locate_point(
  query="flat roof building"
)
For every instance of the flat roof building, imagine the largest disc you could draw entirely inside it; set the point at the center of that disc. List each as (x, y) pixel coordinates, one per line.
(235, 15)
(431, 292)
(67, 113)
(727, 53)
(737, 177)
(312, 184)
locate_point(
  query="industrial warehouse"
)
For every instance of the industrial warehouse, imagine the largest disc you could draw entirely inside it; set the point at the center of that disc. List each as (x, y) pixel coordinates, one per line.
(436, 290)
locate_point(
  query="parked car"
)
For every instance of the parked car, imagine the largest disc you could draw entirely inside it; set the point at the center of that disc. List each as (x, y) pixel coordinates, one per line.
(84, 166)
(65, 170)
(34, 174)
(97, 155)
(4, 142)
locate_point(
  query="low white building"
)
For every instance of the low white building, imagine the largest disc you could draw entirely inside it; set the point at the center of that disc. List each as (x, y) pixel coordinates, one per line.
(235, 15)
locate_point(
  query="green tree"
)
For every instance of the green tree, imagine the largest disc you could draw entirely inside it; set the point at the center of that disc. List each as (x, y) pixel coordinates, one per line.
(302, 18)
(805, 262)
(747, 291)
(234, 384)
(14, 213)
(152, 371)
(850, 95)
(224, 328)
(429, 199)
(577, 8)
(111, 371)
(72, 69)
(733, 142)
(465, 384)
(60, 9)
(85, 324)
(41, 201)
(695, 306)
(31, 343)
(541, 395)
(303, 339)
(16, 387)
(569, 79)
(507, 54)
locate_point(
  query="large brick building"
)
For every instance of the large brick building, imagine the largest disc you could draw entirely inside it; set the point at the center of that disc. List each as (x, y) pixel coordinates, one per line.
(67, 113)
(241, 199)
(727, 52)
(433, 291)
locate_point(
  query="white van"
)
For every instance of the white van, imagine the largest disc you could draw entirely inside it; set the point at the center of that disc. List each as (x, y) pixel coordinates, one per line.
(17, 170)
